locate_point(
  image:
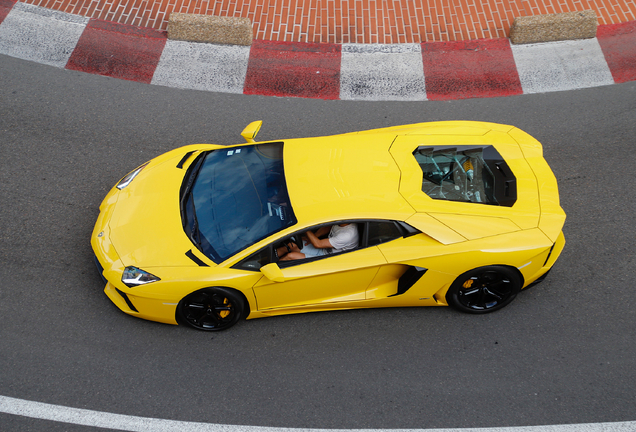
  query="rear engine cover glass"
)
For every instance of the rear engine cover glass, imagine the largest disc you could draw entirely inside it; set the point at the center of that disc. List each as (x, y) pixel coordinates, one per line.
(476, 174)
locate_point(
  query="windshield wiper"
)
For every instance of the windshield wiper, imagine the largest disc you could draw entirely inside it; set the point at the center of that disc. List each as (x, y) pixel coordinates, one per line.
(189, 216)
(195, 234)
(191, 175)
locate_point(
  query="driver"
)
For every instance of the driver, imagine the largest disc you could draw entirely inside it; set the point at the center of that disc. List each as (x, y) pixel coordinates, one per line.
(341, 237)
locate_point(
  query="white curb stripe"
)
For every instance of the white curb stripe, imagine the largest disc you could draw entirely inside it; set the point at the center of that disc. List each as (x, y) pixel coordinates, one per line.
(382, 72)
(199, 66)
(105, 420)
(557, 66)
(40, 35)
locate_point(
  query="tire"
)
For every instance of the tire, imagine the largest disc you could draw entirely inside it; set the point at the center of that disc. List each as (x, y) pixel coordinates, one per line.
(211, 309)
(484, 289)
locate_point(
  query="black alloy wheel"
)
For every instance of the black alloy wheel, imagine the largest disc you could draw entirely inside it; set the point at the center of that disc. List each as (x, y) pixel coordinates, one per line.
(211, 309)
(484, 289)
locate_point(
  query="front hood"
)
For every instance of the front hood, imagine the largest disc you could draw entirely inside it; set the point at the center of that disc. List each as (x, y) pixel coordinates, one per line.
(145, 227)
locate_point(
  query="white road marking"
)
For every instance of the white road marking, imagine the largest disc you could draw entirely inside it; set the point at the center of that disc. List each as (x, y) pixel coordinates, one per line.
(382, 72)
(559, 66)
(40, 35)
(84, 417)
(202, 66)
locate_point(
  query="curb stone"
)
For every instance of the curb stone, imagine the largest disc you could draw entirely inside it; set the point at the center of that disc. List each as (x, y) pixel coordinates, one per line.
(554, 27)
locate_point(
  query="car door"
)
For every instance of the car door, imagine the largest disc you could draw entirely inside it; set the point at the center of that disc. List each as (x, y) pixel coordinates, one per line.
(332, 279)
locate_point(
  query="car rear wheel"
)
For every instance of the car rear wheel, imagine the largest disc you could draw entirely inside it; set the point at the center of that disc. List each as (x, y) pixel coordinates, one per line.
(484, 289)
(211, 309)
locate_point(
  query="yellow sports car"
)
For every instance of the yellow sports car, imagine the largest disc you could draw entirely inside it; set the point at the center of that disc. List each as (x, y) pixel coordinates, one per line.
(432, 214)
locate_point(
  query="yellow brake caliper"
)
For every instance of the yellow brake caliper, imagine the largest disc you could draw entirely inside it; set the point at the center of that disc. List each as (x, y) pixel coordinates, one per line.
(225, 313)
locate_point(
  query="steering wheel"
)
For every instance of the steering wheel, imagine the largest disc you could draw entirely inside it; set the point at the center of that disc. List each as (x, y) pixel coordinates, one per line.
(298, 240)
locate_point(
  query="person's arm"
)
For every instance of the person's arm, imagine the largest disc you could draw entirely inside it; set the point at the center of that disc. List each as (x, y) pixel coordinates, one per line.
(323, 231)
(317, 242)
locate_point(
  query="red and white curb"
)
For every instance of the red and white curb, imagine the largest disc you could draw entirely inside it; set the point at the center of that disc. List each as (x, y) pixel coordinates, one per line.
(427, 71)
(84, 417)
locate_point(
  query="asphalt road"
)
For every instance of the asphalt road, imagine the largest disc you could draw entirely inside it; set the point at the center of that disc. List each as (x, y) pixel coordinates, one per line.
(562, 352)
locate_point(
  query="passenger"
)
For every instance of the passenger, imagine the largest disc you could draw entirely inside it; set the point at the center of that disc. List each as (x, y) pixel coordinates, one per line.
(341, 237)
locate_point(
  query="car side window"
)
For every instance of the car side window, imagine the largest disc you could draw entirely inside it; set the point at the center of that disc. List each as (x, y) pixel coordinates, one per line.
(381, 232)
(371, 233)
(257, 260)
(324, 231)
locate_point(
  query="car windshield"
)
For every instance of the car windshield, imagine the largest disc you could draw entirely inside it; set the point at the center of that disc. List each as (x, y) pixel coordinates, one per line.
(239, 197)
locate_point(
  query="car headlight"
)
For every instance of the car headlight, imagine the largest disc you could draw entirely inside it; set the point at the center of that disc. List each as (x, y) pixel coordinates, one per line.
(129, 177)
(133, 277)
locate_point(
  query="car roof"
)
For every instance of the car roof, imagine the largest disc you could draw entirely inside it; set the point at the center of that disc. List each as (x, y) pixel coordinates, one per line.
(344, 177)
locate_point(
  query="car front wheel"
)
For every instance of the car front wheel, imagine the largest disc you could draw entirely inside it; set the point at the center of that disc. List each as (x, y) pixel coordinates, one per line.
(211, 309)
(484, 289)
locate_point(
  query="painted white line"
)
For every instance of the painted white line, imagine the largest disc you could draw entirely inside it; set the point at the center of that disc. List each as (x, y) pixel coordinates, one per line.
(558, 66)
(382, 72)
(40, 35)
(84, 417)
(199, 66)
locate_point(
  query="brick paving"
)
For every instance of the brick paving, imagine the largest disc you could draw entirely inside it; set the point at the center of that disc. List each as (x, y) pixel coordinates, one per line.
(350, 21)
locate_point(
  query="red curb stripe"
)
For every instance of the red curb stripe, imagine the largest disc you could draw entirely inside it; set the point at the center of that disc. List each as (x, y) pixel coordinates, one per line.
(118, 51)
(618, 42)
(470, 69)
(5, 8)
(293, 69)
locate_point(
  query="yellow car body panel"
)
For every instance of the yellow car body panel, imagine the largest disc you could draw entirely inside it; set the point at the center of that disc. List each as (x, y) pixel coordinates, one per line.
(342, 279)
(435, 228)
(354, 174)
(149, 206)
(361, 177)
(451, 128)
(474, 227)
